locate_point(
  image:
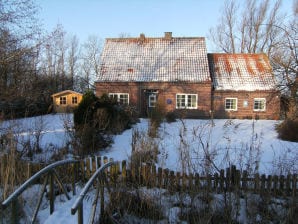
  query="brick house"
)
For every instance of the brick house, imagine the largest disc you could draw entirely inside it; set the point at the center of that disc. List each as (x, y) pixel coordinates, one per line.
(178, 72)
(66, 101)
(143, 71)
(243, 87)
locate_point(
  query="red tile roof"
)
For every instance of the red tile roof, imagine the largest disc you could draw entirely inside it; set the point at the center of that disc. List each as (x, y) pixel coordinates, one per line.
(154, 59)
(248, 72)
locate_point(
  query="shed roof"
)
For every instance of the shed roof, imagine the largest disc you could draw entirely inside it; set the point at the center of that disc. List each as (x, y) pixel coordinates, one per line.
(65, 92)
(154, 59)
(247, 72)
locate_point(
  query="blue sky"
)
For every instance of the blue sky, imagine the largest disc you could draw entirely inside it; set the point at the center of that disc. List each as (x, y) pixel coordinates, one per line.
(110, 18)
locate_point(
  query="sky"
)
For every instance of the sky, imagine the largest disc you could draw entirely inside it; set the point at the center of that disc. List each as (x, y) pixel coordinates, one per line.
(112, 18)
(115, 18)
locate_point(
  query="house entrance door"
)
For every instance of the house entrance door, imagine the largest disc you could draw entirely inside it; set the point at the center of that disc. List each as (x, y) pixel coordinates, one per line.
(151, 97)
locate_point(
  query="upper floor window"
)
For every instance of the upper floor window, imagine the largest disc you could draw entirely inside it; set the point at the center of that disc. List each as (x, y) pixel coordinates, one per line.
(122, 98)
(62, 100)
(231, 104)
(186, 101)
(74, 100)
(259, 104)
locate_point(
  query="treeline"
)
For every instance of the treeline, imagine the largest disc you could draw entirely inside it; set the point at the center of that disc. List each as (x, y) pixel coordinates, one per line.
(35, 64)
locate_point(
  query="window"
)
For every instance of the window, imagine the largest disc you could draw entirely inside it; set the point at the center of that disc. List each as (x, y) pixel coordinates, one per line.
(231, 104)
(74, 100)
(152, 100)
(122, 98)
(259, 104)
(186, 101)
(62, 100)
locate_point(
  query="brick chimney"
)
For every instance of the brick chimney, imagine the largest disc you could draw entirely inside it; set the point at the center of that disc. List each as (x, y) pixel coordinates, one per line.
(142, 37)
(168, 36)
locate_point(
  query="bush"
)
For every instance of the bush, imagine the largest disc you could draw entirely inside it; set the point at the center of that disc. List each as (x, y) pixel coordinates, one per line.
(96, 119)
(288, 130)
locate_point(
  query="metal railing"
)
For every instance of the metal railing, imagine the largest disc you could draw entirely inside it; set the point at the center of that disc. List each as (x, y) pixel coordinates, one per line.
(100, 176)
(49, 179)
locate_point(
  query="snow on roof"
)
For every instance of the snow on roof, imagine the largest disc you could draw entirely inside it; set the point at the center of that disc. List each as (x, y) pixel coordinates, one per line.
(247, 72)
(154, 59)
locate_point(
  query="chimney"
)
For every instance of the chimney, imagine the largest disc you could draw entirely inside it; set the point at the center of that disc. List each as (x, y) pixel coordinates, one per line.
(168, 35)
(142, 37)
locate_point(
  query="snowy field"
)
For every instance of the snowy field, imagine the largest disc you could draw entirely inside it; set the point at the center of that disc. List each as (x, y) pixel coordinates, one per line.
(245, 143)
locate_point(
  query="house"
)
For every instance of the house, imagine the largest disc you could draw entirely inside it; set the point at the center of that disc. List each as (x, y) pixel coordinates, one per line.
(144, 71)
(178, 73)
(66, 101)
(243, 86)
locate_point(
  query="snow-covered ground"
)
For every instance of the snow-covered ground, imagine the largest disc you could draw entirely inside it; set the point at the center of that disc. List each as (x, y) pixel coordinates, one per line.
(249, 144)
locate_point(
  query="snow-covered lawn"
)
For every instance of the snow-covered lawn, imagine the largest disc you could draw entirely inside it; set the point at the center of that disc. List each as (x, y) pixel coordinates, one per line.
(240, 142)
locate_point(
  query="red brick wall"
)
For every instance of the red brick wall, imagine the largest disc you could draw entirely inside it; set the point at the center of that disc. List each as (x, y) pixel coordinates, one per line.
(272, 105)
(166, 94)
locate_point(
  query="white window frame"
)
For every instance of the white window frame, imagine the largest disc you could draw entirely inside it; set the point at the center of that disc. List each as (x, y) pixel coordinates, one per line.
(260, 101)
(187, 97)
(152, 101)
(236, 104)
(119, 97)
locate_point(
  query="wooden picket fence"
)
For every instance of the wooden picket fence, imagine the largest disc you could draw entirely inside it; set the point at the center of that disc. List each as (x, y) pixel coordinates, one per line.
(151, 176)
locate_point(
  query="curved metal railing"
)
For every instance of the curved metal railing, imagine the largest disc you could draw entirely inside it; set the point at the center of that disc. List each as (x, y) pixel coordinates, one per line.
(78, 205)
(51, 175)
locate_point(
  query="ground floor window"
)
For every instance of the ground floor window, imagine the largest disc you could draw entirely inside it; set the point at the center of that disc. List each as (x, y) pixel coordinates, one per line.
(231, 104)
(186, 101)
(259, 104)
(62, 100)
(74, 100)
(122, 98)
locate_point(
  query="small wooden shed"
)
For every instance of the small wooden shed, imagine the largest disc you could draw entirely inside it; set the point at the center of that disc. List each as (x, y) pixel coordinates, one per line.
(66, 101)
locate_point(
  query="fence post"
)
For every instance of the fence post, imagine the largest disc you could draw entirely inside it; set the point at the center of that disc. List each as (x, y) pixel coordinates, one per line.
(159, 177)
(14, 214)
(294, 184)
(269, 183)
(166, 178)
(288, 184)
(153, 177)
(123, 171)
(244, 180)
(257, 183)
(275, 185)
(281, 184)
(52, 192)
(197, 182)
(222, 180)
(263, 183)
(178, 179)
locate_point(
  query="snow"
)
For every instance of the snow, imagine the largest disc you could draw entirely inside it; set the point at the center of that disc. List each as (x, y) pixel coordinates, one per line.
(239, 142)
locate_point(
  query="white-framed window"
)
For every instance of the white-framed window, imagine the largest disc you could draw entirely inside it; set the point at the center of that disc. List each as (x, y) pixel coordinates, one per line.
(62, 100)
(152, 100)
(231, 104)
(259, 104)
(186, 101)
(122, 98)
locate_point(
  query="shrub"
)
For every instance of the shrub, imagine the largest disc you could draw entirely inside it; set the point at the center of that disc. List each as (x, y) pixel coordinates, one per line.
(288, 130)
(96, 119)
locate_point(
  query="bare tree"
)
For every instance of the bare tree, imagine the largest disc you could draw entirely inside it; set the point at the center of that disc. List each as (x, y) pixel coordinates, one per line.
(245, 31)
(91, 59)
